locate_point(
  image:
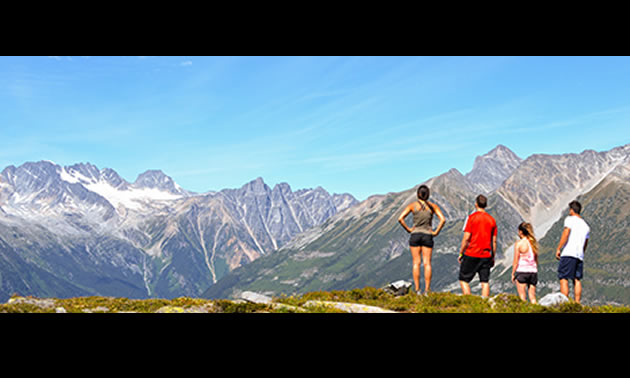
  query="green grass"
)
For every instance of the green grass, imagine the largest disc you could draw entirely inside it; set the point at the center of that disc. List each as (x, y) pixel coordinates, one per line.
(444, 302)
(410, 303)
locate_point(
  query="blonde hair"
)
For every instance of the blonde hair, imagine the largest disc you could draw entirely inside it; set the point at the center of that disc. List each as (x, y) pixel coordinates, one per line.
(528, 231)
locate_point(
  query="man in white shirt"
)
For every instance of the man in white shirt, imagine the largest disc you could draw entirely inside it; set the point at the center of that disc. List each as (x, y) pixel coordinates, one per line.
(571, 250)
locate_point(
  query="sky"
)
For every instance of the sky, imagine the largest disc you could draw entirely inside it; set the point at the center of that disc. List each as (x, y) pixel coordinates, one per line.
(358, 125)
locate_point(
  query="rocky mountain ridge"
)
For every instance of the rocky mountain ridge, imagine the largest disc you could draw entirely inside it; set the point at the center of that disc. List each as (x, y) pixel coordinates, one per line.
(544, 184)
(80, 230)
(492, 169)
(366, 247)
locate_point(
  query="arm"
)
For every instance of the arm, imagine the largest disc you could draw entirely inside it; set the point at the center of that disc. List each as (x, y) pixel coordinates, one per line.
(519, 248)
(494, 248)
(401, 218)
(465, 241)
(585, 244)
(438, 212)
(517, 256)
(494, 244)
(563, 241)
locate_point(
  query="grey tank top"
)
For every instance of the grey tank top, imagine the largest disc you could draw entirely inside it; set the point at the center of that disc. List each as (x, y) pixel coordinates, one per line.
(422, 220)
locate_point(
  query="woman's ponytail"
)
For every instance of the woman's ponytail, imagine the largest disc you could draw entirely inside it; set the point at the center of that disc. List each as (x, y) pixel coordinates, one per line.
(423, 194)
(528, 231)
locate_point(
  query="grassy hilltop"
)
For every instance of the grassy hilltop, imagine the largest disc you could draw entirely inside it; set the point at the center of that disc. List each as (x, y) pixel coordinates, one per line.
(313, 302)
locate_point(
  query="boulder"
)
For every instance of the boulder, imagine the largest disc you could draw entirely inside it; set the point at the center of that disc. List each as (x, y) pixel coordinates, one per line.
(96, 309)
(256, 297)
(398, 288)
(349, 307)
(553, 299)
(41, 303)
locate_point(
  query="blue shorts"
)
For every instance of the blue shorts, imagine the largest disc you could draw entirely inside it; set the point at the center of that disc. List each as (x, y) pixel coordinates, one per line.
(570, 268)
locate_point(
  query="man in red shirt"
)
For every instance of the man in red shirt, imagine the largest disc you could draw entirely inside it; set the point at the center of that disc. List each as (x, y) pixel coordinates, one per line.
(479, 244)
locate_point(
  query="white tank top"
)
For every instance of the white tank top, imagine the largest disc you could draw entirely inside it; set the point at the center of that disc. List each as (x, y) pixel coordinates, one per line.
(527, 261)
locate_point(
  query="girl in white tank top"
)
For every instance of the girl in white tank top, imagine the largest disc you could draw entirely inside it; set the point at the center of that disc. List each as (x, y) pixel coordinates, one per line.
(525, 265)
(527, 260)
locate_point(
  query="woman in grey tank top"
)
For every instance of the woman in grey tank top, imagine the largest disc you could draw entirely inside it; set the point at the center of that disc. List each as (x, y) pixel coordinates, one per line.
(421, 239)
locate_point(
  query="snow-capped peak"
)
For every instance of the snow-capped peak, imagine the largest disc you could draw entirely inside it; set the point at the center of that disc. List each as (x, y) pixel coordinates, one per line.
(130, 198)
(109, 185)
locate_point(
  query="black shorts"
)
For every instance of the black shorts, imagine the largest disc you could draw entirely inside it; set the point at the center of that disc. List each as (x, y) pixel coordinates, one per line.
(570, 268)
(419, 239)
(473, 265)
(527, 278)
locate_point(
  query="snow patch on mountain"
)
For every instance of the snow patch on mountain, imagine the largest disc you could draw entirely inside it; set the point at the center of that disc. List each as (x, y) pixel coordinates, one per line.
(130, 198)
(120, 193)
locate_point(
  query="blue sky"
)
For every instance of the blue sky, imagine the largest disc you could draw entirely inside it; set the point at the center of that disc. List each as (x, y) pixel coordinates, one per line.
(363, 125)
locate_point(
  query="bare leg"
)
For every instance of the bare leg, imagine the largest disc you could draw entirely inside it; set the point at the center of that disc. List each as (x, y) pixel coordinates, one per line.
(415, 255)
(521, 289)
(532, 294)
(426, 259)
(485, 289)
(564, 287)
(465, 287)
(577, 288)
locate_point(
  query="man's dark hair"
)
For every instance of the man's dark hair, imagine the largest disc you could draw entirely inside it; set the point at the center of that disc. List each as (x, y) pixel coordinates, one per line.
(481, 201)
(576, 207)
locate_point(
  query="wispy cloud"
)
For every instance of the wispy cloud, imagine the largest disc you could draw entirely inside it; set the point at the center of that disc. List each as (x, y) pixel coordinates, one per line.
(594, 118)
(357, 160)
(320, 95)
(186, 63)
(60, 58)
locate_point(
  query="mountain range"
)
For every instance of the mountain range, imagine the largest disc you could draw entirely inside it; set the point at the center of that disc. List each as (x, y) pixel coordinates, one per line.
(79, 230)
(365, 246)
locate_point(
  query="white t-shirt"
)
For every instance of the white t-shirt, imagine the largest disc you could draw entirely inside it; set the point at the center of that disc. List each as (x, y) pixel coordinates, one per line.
(580, 231)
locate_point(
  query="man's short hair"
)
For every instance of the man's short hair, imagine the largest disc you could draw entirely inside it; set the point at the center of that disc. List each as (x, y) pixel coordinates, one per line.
(481, 201)
(576, 207)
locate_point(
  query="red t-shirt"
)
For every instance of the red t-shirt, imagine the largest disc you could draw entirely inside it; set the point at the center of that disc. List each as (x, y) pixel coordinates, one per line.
(482, 228)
